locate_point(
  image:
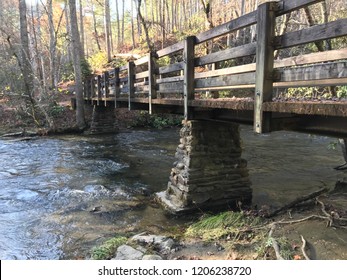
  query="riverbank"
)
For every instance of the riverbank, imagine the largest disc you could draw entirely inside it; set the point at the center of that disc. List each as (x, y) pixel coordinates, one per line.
(17, 123)
(312, 229)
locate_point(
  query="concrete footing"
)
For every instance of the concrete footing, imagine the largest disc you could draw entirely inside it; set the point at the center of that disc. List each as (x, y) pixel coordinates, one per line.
(209, 173)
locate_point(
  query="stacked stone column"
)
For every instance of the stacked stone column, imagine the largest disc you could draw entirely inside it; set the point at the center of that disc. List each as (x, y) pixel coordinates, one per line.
(103, 120)
(209, 172)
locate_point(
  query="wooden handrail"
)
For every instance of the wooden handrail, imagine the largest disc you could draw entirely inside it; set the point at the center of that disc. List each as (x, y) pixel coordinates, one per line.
(191, 75)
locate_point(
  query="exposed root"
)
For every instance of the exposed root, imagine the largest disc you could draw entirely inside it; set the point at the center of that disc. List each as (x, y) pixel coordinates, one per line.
(274, 243)
(328, 216)
(303, 248)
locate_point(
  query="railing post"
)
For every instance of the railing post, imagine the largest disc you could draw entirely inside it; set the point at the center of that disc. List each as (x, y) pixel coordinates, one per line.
(99, 96)
(264, 65)
(131, 82)
(106, 77)
(92, 89)
(152, 92)
(116, 86)
(85, 89)
(188, 82)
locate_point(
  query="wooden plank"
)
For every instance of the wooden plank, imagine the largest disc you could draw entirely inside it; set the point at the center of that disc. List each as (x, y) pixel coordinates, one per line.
(226, 71)
(142, 89)
(227, 80)
(141, 83)
(241, 51)
(320, 32)
(152, 66)
(292, 5)
(141, 60)
(176, 87)
(233, 25)
(250, 19)
(123, 68)
(124, 79)
(319, 83)
(171, 49)
(131, 81)
(142, 75)
(170, 79)
(315, 72)
(264, 65)
(188, 81)
(116, 86)
(228, 87)
(171, 68)
(311, 58)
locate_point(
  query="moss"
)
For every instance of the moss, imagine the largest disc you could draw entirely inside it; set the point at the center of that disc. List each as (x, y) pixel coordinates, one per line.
(108, 249)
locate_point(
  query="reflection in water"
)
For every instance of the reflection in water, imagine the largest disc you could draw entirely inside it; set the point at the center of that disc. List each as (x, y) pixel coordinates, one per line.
(59, 197)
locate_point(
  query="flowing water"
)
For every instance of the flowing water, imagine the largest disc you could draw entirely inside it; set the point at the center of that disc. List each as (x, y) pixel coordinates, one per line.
(61, 196)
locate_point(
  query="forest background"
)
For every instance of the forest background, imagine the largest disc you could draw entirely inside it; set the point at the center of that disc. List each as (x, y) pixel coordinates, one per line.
(48, 45)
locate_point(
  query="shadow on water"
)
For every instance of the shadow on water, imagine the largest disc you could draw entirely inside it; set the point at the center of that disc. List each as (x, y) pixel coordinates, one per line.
(59, 197)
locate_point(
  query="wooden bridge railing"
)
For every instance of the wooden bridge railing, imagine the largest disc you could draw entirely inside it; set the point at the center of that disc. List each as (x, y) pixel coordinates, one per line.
(144, 78)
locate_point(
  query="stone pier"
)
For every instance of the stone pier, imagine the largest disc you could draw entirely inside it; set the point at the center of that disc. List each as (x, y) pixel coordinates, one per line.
(103, 120)
(209, 173)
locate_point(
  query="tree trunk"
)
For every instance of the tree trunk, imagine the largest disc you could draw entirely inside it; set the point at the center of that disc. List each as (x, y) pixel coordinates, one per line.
(25, 53)
(144, 25)
(118, 26)
(107, 23)
(132, 25)
(76, 45)
(123, 17)
(311, 22)
(96, 34)
(52, 45)
(68, 31)
(82, 29)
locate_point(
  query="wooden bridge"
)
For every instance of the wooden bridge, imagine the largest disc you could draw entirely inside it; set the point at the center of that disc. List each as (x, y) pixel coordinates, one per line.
(186, 82)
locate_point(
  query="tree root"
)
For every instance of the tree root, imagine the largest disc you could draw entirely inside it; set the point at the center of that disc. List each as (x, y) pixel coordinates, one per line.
(329, 218)
(274, 243)
(303, 248)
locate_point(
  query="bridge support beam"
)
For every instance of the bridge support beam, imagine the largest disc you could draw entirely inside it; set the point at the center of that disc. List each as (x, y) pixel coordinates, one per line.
(209, 173)
(103, 120)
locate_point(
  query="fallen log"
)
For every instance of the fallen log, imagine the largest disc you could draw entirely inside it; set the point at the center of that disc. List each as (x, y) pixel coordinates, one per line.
(296, 202)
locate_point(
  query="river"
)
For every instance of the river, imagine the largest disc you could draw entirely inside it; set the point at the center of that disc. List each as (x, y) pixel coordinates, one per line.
(61, 196)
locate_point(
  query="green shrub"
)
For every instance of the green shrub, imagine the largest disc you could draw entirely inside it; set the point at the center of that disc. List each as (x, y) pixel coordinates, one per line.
(341, 91)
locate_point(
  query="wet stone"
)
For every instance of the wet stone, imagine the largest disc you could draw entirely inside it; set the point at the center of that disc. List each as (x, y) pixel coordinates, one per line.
(125, 252)
(152, 257)
(209, 160)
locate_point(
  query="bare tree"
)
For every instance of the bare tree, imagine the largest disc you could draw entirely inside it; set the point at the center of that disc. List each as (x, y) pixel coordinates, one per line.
(107, 24)
(144, 25)
(96, 34)
(76, 45)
